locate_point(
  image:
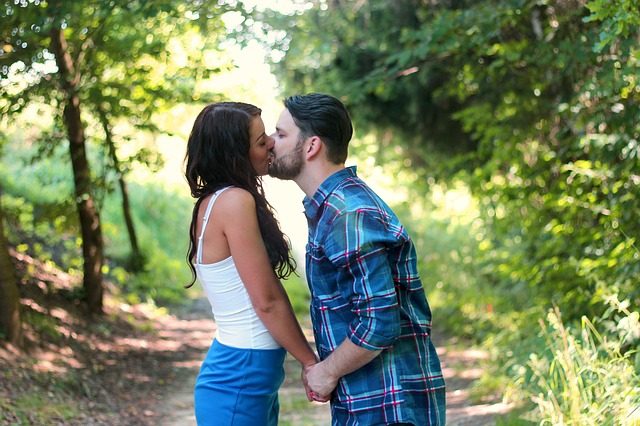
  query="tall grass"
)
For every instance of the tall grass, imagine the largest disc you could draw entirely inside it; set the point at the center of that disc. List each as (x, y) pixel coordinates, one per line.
(585, 378)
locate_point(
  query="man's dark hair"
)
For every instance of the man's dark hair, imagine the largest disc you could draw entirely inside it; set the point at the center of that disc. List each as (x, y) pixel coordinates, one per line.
(318, 114)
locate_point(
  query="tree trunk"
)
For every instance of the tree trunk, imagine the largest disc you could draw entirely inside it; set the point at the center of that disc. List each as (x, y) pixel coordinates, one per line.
(10, 323)
(137, 260)
(92, 243)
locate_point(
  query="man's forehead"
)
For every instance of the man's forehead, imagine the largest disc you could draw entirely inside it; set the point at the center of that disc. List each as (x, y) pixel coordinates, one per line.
(286, 120)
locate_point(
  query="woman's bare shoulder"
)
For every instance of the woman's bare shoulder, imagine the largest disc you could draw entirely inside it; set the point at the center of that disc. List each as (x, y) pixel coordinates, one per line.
(235, 200)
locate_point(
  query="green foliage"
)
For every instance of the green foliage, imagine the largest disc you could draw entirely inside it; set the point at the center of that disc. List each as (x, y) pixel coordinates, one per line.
(617, 19)
(162, 216)
(161, 213)
(527, 367)
(584, 379)
(41, 221)
(132, 56)
(39, 212)
(553, 116)
(102, 71)
(533, 104)
(442, 225)
(130, 61)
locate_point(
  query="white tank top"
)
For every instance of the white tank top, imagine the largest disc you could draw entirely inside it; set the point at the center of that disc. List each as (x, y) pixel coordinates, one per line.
(238, 323)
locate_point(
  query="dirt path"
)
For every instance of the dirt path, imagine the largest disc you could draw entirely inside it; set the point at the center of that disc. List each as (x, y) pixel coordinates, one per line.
(194, 329)
(461, 367)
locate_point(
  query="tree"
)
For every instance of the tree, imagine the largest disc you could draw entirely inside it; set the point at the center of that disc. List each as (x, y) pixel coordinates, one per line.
(92, 243)
(105, 62)
(10, 323)
(137, 258)
(534, 104)
(356, 60)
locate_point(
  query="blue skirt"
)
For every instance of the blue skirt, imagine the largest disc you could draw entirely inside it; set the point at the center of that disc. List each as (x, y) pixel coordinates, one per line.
(239, 387)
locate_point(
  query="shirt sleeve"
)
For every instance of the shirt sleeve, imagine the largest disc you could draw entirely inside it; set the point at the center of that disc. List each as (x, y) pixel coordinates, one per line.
(357, 247)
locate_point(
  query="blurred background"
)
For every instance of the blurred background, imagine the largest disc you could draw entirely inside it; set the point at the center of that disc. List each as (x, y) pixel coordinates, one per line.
(505, 135)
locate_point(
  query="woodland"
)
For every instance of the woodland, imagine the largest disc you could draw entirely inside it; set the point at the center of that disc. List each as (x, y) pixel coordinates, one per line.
(507, 131)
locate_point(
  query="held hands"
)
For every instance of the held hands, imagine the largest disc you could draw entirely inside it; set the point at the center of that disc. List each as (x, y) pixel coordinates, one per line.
(311, 395)
(318, 383)
(322, 378)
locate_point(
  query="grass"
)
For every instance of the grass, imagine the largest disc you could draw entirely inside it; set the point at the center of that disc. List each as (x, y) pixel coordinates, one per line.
(46, 401)
(583, 378)
(36, 409)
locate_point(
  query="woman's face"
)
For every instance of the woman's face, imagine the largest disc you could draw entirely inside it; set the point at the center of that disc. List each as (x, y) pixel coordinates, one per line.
(259, 147)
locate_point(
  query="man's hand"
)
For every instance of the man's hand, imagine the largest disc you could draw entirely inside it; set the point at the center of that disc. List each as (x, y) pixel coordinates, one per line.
(322, 378)
(311, 396)
(320, 382)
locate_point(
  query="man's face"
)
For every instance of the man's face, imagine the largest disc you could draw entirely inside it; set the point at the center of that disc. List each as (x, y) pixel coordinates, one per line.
(287, 159)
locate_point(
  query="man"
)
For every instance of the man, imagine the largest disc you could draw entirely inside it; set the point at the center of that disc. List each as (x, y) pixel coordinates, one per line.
(371, 319)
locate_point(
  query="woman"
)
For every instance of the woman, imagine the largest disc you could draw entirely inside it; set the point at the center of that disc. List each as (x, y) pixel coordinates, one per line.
(239, 254)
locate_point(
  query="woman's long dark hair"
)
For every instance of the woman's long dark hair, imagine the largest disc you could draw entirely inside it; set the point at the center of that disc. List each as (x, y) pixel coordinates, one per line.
(217, 157)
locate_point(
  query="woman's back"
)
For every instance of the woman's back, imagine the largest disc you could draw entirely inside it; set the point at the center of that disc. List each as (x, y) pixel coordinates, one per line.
(238, 323)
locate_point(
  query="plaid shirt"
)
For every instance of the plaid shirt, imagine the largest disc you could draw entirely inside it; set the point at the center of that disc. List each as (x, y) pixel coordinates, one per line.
(364, 283)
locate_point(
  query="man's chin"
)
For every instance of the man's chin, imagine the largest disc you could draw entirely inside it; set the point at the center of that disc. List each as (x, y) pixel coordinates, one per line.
(278, 175)
(273, 172)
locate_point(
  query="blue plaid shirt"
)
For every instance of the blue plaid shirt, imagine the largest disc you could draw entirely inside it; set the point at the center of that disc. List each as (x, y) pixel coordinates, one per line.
(362, 274)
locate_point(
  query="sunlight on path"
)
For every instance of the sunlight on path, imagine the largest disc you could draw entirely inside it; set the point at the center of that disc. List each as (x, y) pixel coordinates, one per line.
(194, 331)
(461, 368)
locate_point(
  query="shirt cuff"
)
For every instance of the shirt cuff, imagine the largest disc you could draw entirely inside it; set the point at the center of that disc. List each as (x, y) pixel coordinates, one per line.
(367, 339)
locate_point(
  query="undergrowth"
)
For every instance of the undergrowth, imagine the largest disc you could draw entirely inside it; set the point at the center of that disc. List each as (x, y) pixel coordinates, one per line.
(580, 373)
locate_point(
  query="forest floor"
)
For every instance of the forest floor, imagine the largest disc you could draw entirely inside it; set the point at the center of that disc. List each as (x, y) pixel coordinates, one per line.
(136, 365)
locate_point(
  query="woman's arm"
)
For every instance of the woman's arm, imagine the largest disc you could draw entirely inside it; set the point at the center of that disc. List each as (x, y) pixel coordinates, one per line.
(237, 212)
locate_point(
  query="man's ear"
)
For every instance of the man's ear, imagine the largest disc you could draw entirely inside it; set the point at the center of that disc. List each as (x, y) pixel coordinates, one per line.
(314, 147)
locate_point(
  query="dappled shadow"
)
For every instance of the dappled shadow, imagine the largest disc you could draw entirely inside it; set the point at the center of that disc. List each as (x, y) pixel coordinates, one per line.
(461, 367)
(113, 369)
(192, 329)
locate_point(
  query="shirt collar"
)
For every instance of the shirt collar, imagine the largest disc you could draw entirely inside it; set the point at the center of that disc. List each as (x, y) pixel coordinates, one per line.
(312, 205)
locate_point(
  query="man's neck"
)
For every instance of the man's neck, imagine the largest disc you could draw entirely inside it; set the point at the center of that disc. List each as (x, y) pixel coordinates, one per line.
(314, 174)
